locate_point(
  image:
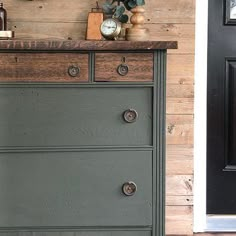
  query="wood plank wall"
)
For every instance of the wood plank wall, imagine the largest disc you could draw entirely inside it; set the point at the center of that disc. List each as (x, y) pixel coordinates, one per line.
(167, 20)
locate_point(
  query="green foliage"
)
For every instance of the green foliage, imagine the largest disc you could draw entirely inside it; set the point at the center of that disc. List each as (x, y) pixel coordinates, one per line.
(118, 10)
(123, 18)
(140, 2)
(108, 8)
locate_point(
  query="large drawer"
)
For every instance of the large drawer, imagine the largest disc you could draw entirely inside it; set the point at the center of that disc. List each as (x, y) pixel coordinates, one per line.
(43, 67)
(98, 232)
(75, 189)
(68, 117)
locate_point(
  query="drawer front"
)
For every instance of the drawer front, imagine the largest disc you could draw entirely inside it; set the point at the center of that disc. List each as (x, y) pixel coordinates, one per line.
(75, 189)
(39, 117)
(79, 233)
(136, 67)
(43, 67)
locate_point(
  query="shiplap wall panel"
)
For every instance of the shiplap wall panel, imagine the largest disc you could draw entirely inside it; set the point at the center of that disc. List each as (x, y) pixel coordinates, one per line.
(180, 69)
(181, 200)
(179, 129)
(179, 160)
(178, 11)
(179, 219)
(179, 185)
(166, 20)
(48, 30)
(180, 91)
(76, 30)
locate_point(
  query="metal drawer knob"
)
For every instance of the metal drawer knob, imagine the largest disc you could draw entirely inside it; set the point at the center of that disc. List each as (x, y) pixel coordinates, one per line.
(73, 71)
(130, 115)
(129, 188)
(122, 69)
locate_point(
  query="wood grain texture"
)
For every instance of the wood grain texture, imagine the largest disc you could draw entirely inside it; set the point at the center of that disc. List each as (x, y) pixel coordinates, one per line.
(179, 220)
(179, 185)
(180, 69)
(140, 66)
(180, 90)
(179, 160)
(180, 106)
(42, 67)
(179, 129)
(48, 30)
(181, 200)
(183, 33)
(84, 45)
(179, 11)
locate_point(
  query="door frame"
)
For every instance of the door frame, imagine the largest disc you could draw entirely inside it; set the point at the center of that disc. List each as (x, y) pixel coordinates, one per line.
(200, 105)
(202, 221)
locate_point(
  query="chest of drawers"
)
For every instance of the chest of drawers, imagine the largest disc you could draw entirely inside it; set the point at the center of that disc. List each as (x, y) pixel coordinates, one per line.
(82, 144)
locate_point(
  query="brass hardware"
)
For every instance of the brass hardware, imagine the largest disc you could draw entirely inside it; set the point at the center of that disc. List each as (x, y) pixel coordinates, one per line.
(122, 69)
(130, 115)
(129, 188)
(73, 71)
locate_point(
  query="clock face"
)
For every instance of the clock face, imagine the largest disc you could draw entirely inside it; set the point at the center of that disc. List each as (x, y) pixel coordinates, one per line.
(108, 27)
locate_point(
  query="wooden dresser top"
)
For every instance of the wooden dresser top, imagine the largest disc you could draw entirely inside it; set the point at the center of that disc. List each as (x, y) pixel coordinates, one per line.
(85, 45)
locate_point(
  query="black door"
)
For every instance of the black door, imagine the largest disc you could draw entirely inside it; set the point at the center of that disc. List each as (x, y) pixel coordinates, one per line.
(221, 108)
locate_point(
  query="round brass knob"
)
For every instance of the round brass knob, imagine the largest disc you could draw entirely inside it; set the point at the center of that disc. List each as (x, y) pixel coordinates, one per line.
(122, 69)
(129, 188)
(73, 71)
(130, 115)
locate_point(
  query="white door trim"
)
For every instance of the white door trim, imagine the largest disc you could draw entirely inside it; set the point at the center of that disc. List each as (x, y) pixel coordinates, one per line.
(201, 36)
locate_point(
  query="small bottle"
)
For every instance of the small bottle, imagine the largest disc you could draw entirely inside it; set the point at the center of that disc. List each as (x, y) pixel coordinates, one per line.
(3, 18)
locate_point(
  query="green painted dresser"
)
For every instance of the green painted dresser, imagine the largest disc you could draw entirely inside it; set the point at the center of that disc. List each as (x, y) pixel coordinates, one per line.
(82, 138)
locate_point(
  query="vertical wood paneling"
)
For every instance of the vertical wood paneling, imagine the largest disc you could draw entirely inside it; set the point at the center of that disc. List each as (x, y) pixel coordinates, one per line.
(166, 20)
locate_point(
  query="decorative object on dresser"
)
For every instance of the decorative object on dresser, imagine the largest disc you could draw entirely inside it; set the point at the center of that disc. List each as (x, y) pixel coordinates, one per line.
(3, 18)
(110, 29)
(95, 18)
(4, 33)
(82, 137)
(137, 32)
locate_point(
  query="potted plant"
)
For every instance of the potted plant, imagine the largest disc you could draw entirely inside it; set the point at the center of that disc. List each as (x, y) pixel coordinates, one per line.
(117, 8)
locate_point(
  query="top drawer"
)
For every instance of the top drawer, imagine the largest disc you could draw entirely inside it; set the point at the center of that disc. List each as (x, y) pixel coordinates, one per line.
(43, 67)
(136, 67)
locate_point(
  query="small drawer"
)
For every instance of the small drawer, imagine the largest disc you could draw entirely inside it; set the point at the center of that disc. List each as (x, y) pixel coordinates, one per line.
(136, 67)
(43, 67)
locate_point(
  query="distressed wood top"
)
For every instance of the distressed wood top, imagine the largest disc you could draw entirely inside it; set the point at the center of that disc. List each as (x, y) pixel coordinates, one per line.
(84, 45)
